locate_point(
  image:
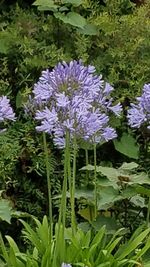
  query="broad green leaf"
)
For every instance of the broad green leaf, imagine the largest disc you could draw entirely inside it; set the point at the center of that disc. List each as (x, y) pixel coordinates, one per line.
(111, 173)
(141, 178)
(45, 3)
(84, 193)
(84, 226)
(72, 2)
(142, 190)
(128, 192)
(127, 146)
(47, 8)
(102, 181)
(89, 29)
(87, 213)
(109, 222)
(72, 18)
(108, 195)
(87, 168)
(128, 166)
(5, 210)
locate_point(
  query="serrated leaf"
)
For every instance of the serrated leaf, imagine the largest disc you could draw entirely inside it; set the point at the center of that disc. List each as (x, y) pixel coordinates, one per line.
(127, 146)
(71, 18)
(89, 29)
(5, 210)
(72, 2)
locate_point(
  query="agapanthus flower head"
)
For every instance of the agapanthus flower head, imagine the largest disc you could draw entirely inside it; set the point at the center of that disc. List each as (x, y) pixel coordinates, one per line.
(6, 111)
(139, 114)
(75, 99)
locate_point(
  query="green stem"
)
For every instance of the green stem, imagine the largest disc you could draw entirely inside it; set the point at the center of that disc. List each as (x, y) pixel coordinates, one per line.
(87, 162)
(62, 211)
(48, 183)
(73, 221)
(148, 213)
(95, 183)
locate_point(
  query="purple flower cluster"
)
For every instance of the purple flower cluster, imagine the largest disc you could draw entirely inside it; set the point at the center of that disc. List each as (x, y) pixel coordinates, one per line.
(139, 113)
(77, 100)
(6, 112)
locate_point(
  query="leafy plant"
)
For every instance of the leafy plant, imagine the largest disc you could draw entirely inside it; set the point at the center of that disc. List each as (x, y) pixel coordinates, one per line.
(61, 10)
(83, 249)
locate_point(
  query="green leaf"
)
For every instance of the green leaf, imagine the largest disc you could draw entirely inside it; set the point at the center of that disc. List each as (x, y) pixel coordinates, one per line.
(128, 166)
(127, 146)
(4, 46)
(72, 18)
(72, 2)
(142, 190)
(87, 213)
(138, 201)
(12, 244)
(108, 195)
(125, 250)
(48, 3)
(84, 193)
(111, 173)
(141, 178)
(89, 29)
(89, 167)
(109, 222)
(5, 210)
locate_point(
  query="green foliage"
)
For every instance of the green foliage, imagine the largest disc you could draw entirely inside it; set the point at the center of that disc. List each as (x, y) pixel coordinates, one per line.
(121, 190)
(73, 18)
(5, 210)
(32, 40)
(83, 249)
(127, 146)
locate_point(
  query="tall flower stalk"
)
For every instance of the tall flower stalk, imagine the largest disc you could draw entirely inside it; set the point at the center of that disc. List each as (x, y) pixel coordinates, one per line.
(95, 183)
(139, 116)
(48, 184)
(74, 104)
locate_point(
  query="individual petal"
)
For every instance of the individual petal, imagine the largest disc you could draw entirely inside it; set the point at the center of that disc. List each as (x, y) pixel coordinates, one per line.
(117, 109)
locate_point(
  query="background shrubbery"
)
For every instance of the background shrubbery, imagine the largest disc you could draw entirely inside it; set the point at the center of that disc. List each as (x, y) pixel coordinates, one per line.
(32, 40)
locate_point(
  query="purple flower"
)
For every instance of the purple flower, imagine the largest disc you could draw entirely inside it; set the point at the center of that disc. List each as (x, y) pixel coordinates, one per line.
(74, 99)
(6, 112)
(139, 113)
